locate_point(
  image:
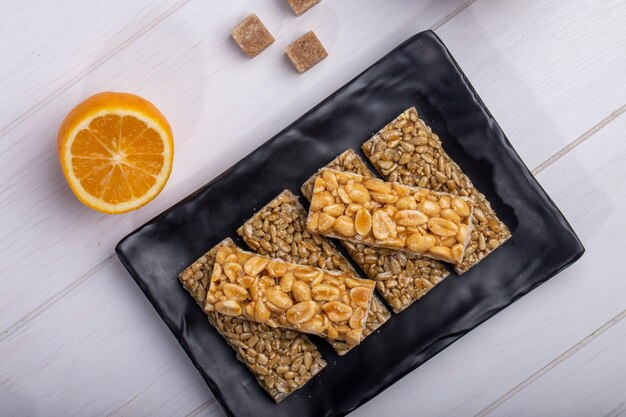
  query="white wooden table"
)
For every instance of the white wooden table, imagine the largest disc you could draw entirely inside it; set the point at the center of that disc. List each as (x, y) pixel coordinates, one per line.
(77, 337)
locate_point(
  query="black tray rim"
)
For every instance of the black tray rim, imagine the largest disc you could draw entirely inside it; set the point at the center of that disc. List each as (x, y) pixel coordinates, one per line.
(436, 346)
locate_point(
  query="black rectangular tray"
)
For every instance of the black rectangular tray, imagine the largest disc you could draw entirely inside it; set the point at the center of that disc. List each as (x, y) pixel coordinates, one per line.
(421, 73)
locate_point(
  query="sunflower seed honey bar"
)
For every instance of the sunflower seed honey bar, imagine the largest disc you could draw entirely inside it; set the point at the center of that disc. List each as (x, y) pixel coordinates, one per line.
(281, 360)
(278, 230)
(408, 152)
(330, 304)
(394, 216)
(401, 278)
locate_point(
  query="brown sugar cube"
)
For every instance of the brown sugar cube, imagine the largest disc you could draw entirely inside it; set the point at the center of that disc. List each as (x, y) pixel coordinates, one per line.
(301, 6)
(252, 36)
(306, 51)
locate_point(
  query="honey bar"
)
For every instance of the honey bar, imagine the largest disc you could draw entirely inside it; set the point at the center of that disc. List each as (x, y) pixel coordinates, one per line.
(331, 304)
(305, 52)
(401, 278)
(278, 231)
(252, 36)
(390, 215)
(281, 360)
(408, 152)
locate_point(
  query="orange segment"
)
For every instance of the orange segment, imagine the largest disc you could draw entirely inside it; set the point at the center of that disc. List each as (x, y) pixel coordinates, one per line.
(116, 151)
(147, 142)
(87, 145)
(92, 182)
(107, 129)
(138, 181)
(150, 164)
(116, 190)
(132, 128)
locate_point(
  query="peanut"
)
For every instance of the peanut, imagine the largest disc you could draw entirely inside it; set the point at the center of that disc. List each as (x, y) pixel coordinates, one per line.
(301, 291)
(442, 252)
(325, 222)
(324, 292)
(360, 296)
(337, 311)
(457, 252)
(315, 325)
(385, 198)
(356, 320)
(276, 268)
(420, 243)
(451, 215)
(363, 222)
(235, 292)
(352, 209)
(382, 225)
(460, 206)
(306, 273)
(343, 195)
(353, 337)
(330, 180)
(278, 299)
(335, 210)
(429, 207)
(462, 233)
(232, 270)
(359, 193)
(322, 200)
(261, 312)
(344, 225)
(228, 307)
(406, 203)
(302, 312)
(442, 227)
(254, 265)
(286, 281)
(222, 254)
(410, 217)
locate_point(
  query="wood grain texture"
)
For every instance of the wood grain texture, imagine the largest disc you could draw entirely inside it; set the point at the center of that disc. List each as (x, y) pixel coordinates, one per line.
(548, 70)
(590, 383)
(220, 103)
(49, 44)
(77, 336)
(102, 351)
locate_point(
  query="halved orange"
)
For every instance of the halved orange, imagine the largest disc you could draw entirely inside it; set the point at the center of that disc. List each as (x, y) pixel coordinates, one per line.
(116, 151)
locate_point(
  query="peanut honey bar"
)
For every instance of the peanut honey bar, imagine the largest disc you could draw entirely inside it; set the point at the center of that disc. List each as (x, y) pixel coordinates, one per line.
(331, 304)
(252, 36)
(301, 6)
(401, 278)
(278, 230)
(408, 152)
(416, 220)
(281, 360)
(306, 51)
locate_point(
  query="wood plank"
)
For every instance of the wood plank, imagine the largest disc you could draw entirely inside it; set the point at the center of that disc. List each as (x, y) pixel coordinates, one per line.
(46, 45)
(548, 70)
(588, 186)
(101, 351)
(461, 380)
(221, 105)
(590, 383)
